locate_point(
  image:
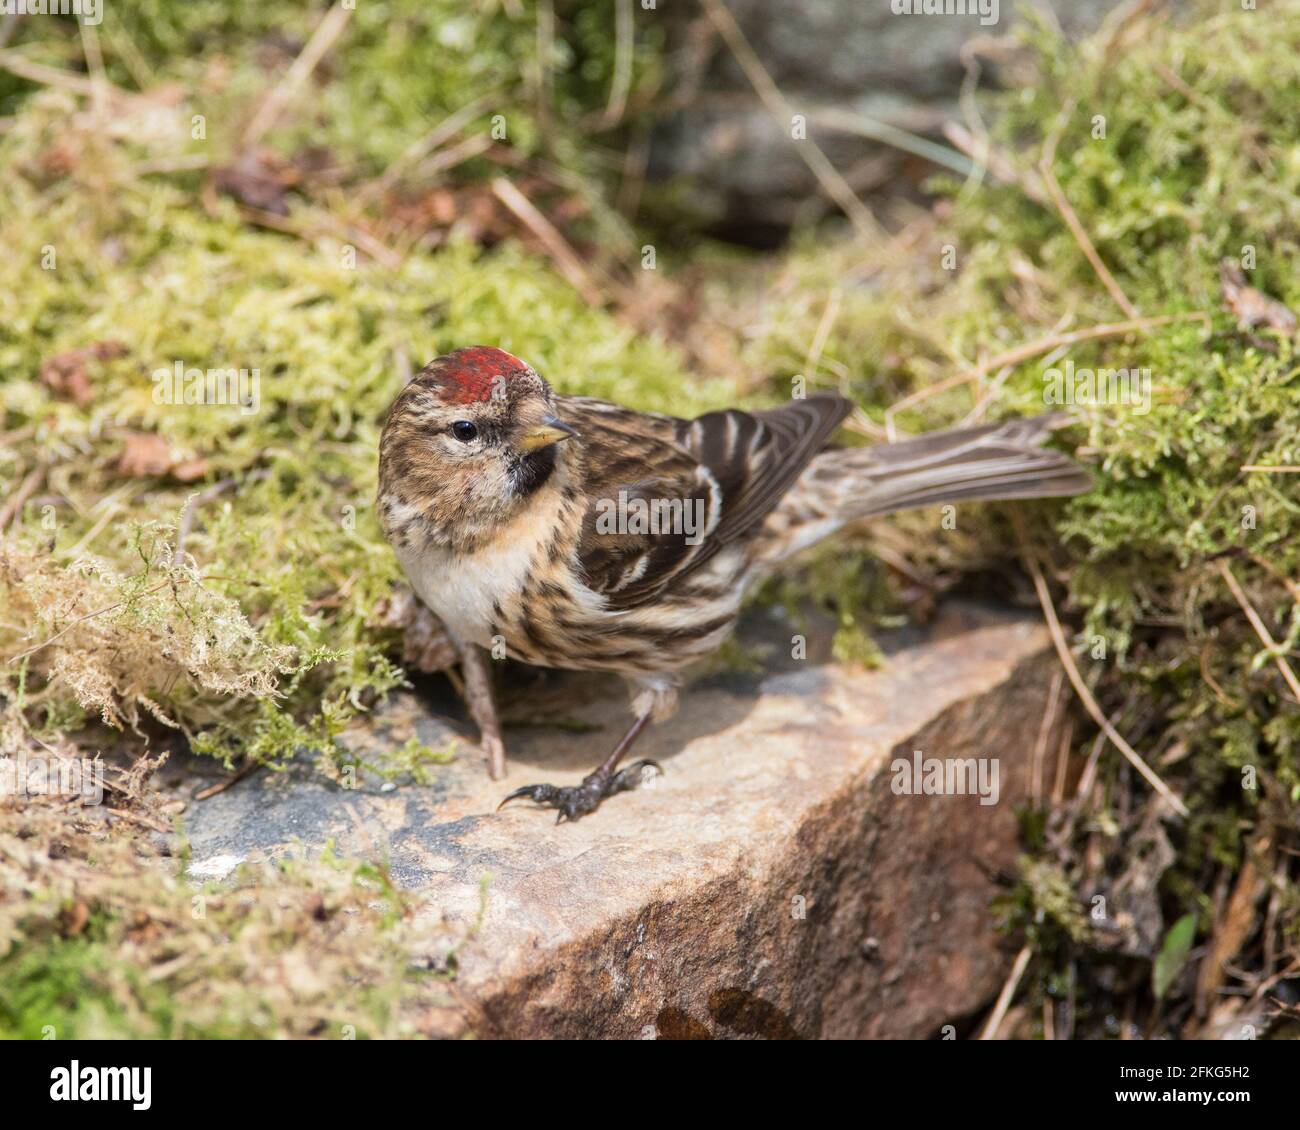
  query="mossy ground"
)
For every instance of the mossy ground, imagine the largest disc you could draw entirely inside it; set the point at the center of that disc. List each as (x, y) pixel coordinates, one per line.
(1196, 485)
(247, 626)
(258, 639)
(100, 938)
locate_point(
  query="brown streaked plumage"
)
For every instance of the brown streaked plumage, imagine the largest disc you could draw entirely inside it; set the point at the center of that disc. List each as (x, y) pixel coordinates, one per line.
(582, 535)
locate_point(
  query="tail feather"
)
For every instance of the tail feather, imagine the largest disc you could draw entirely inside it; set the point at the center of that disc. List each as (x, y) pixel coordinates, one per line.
(994, 462)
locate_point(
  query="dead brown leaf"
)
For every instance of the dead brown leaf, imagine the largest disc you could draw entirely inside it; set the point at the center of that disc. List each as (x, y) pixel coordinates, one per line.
(68, 374)
(73, 918)
(1232, 930)
(1253, 307)
(143, 928)
(146, 455)
(189, 470)
(258, 179)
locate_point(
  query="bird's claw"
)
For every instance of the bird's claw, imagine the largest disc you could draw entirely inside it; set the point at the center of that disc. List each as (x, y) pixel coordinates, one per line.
(575, 801)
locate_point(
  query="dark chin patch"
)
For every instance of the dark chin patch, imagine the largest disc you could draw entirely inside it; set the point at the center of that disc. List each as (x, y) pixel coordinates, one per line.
(532, 470)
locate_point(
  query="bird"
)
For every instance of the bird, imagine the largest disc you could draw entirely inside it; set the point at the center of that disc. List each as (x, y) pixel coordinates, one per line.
(569, 532)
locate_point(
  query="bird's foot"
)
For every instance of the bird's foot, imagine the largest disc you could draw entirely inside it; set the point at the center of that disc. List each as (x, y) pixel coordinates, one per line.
(574, 801)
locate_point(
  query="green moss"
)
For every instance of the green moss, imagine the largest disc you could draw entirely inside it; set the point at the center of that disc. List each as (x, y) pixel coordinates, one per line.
(397, 69)
(293, 542)
(1173, 188)
(1045, 905)
(412, 763)
(1167, 186)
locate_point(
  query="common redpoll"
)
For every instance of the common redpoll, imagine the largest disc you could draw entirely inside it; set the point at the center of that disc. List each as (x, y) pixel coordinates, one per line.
(570, 532)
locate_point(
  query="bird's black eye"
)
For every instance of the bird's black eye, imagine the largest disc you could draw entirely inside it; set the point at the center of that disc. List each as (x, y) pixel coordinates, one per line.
(464, 431)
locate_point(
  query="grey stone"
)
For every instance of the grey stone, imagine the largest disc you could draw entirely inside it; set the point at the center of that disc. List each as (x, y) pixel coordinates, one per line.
(770, 883)
(845, 56)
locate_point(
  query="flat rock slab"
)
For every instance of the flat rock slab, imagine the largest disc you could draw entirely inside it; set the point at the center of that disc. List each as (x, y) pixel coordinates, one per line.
(772, 883)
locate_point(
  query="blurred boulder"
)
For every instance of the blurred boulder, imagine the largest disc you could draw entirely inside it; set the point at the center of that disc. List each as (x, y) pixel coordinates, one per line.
(834, 61)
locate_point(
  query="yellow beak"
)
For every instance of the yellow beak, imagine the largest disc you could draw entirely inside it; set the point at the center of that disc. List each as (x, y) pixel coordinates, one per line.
(543, 434)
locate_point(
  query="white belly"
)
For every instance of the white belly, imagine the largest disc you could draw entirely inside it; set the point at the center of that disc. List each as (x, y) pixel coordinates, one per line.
(463, 591)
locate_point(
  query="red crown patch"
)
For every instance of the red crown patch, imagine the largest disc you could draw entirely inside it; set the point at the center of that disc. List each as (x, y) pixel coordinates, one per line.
(474, 374)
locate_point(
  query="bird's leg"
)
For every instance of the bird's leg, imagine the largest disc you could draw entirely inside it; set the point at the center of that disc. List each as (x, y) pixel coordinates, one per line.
(482, 708)
(574, 801)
